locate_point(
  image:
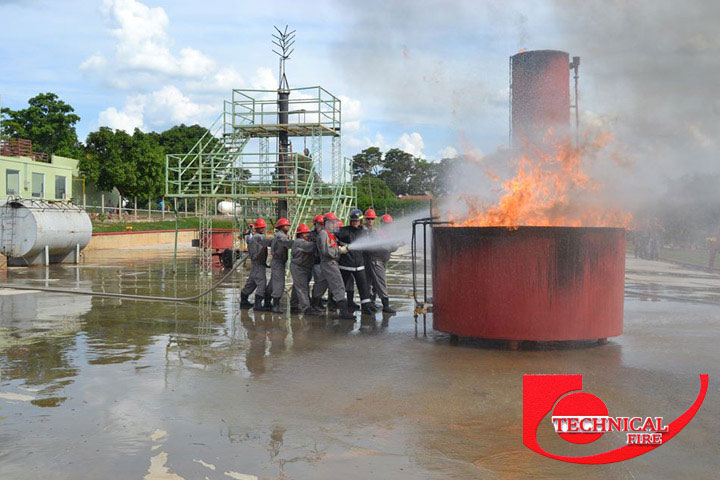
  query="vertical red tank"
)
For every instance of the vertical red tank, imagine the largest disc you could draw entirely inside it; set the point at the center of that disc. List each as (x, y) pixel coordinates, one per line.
(539, 94)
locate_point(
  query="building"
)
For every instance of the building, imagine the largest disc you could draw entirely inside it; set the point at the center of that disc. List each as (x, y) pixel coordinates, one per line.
(28, 175)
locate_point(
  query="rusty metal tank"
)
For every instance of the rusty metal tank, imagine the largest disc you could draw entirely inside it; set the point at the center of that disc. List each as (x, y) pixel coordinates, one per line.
(539, 93)
(529, 283)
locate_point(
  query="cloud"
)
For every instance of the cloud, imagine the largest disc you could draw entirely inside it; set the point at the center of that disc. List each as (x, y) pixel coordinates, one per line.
(161, 108)
(142, 42)
(411, 143)
(448, 152)
(128, 119)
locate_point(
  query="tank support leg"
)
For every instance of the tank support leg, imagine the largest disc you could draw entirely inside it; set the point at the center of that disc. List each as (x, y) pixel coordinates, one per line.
(454, 339)
(602, 341)
(513, 345)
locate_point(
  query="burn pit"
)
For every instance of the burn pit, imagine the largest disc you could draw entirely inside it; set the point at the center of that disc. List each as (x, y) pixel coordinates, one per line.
(528, 283)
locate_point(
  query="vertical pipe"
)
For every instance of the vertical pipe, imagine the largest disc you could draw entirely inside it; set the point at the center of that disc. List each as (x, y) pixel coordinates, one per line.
(84, 201)
(186, 211)
(149, 208)
(135, 207)
(77, 253)
(102, 203)
(47, 255)
(283, 103)
(163, 208)
(120, 207)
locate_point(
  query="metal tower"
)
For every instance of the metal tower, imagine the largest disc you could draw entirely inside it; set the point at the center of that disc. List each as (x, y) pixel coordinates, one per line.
(250, 156)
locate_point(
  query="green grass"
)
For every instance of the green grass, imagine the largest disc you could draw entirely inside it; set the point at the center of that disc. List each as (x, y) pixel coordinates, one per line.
(189, 222)
(693, 257)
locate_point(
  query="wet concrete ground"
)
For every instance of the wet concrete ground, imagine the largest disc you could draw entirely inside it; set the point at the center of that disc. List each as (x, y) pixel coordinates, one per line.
(108, 388)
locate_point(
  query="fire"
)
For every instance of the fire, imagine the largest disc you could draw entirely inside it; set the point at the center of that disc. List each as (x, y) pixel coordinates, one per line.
(549, 188)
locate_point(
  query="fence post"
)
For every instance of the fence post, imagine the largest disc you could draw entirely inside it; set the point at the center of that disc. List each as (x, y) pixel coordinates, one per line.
(135, 206)
(120, 207)
(149, 208)
(102, 203)
(175, 206)
(163, 208)
(186, 207)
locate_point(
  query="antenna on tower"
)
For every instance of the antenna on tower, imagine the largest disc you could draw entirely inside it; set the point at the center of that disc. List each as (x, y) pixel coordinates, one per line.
(284, 41)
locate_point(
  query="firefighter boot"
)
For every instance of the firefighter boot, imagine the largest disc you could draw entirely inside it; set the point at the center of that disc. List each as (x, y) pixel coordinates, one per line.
(259, 307)
(367, 309)
(332, 304)
(312, 312)
(386, 306)
(345, 313)
(244, 301)
(275, 305)
(267, 303)
(351, 304)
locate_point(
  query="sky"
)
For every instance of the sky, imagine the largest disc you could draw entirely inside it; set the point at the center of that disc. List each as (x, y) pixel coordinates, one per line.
(427, 76)
(153, 64)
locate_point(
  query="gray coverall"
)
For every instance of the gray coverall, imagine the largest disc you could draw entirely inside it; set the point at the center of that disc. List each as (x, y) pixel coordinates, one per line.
(279, 249)
(378, 258)
(329, 254)
(257, 251)
(320, 284)
(301, 268)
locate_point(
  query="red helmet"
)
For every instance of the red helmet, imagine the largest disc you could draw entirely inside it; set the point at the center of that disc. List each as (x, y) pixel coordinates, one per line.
(331, 216)
(319, 219)
(283, 222)
(370, 213)
(386, 218)
(302, 228)
(260, 223)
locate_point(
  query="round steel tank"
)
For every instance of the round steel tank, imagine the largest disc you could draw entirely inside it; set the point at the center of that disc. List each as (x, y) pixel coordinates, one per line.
(27, 227)
(529, 283)
(540, 94)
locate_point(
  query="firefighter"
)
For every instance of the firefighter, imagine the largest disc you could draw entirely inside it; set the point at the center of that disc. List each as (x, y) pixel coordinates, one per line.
(257, 251)
(330, 251)
(352, 263)
(301, 269)
(379, 256)
(279, 249)
(320, 285)
(370, 217)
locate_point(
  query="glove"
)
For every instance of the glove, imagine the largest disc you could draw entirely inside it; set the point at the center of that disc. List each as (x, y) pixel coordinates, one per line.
(343, 249)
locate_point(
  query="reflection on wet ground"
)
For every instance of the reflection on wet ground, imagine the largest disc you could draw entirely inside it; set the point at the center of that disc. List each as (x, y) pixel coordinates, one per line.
(107, 388)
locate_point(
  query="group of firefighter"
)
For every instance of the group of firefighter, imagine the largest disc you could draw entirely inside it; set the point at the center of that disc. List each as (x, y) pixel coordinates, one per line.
(326, 255)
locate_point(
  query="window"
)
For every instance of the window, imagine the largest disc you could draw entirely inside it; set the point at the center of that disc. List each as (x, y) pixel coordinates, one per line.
(60, 187)
(38, 185)
(12, 182)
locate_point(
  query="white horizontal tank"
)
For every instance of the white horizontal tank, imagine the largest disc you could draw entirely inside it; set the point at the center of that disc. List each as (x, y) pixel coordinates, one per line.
(34, 232)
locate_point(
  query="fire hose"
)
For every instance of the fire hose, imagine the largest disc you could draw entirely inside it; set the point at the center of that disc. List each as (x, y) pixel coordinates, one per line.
(149, 298)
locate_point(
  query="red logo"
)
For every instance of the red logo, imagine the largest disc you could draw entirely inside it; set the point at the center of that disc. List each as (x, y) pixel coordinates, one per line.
(581, 417)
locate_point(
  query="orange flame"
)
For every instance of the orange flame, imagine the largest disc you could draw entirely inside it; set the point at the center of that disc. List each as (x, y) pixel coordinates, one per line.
(548, 189)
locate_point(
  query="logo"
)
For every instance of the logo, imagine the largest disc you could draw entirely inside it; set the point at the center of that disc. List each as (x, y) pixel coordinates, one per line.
(581, 418)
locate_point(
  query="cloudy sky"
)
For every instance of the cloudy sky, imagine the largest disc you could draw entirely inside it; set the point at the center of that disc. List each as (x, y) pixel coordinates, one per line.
(430, 77)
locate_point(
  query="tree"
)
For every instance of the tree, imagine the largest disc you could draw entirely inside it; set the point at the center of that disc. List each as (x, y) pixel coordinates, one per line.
(182, 138)
(48, 122)
(367, 162)
(134, 164)
(373, 192)
(398, 167)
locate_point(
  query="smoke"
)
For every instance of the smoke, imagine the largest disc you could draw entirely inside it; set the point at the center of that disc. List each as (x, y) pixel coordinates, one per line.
(650, 71)
(648, 76)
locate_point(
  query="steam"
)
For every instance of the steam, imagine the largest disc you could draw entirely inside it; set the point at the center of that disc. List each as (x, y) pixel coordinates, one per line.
(391, 234)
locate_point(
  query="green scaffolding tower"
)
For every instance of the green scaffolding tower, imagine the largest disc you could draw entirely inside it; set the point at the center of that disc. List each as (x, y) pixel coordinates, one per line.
(240, 160)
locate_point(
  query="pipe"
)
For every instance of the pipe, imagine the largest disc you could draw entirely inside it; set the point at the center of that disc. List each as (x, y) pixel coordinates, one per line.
(149, 298)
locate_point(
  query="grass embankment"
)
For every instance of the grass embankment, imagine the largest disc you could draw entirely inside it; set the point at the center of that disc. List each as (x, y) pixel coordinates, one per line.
(692, 257)
(189, 222)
